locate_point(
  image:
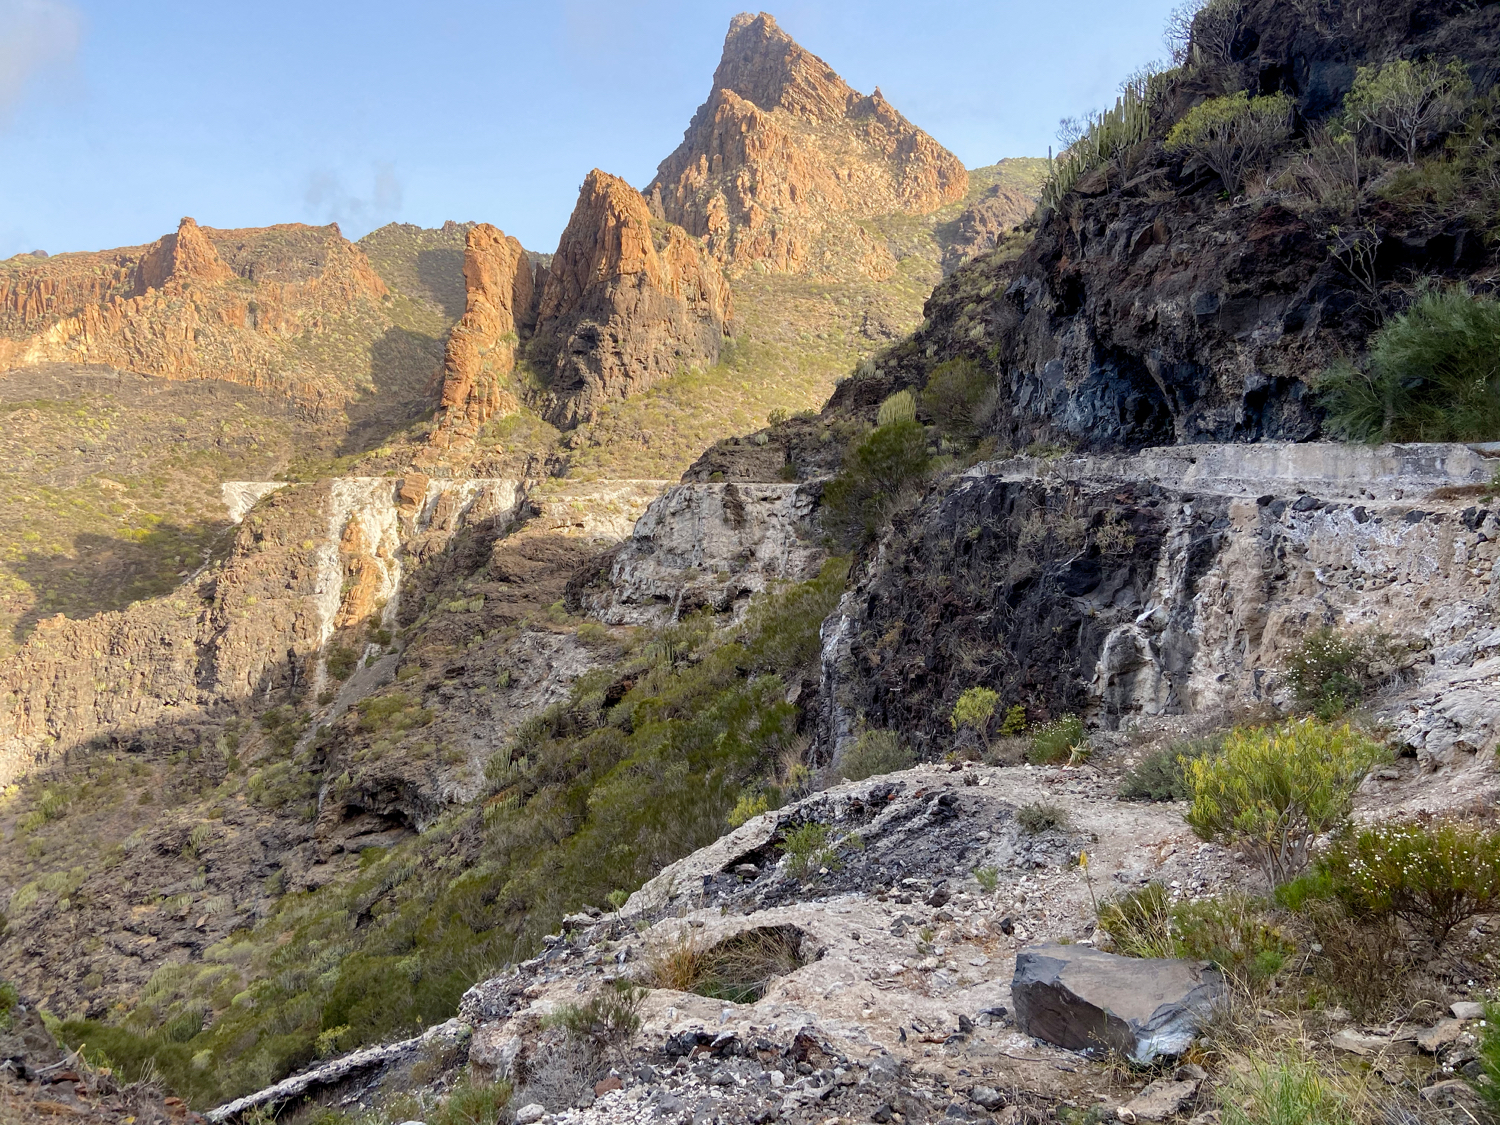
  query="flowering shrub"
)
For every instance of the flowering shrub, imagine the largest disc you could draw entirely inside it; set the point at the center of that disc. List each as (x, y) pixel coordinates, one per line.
(1274, 791)
(1431, 873)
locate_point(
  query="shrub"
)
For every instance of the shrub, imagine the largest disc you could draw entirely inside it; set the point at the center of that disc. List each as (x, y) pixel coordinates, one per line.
(1434, 375)
(1274, 791)
(879, 473)
(341, 662)
(988, 878)
(1059, 741)
(1139, 923)
(1105, 136)
(808, 851)
(1433, 874)
(10, 1000)
(606, 1020)
(974, 709)
(396, 711)
(876, 752)
(1286, 1088)
(472, 1102)
(959, 397)
(1039, 817)
(1233, 134)
(1162, 774)
(1407, 102)
(748, 807)
(900, 407)
(737, 969)
(1235, 932)
(1330, 671)
(1014, 722)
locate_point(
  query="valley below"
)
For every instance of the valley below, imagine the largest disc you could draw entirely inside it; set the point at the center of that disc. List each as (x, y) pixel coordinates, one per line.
(843, 638)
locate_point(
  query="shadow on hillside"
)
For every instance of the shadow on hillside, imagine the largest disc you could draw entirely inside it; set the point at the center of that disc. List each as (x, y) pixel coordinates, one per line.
(103, 572)
(405, 367)
(442, 272)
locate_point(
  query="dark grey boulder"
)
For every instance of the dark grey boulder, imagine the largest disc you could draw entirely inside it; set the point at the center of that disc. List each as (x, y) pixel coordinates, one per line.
(1084, 1000)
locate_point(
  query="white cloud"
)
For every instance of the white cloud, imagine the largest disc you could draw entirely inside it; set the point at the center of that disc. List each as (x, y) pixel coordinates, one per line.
(35, 36)
(328, 199)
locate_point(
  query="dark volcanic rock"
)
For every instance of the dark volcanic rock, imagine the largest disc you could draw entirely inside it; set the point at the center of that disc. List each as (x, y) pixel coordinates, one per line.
(1149, 308)
(1085, 1000)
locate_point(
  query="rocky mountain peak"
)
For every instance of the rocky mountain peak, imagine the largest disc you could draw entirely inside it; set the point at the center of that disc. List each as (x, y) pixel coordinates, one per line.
(784, 152)
(628, 299)
(481, 354)
(184, 257)
(766, 66)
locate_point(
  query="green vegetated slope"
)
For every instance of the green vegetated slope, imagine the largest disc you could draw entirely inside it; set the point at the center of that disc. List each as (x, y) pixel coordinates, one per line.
(797, 337)
(112, 479)
(112, 484)
(642, 763)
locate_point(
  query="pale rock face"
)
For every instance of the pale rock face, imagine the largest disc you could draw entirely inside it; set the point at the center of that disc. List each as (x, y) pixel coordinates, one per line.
(709, 545)
(309, 561)
(1180, 581)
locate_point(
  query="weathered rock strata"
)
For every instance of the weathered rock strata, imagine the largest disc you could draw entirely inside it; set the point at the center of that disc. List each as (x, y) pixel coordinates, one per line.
(784, 152)
(200, 303)
(1177, 581)
(481, 354)
(628, 300)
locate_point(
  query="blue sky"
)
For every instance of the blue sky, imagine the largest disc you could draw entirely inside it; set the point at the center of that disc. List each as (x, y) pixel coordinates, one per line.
(117, 118)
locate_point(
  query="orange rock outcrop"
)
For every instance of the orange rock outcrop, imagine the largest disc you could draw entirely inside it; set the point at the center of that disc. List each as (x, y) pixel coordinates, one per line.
(481, 356)
(200, 303)
(628, 300)
(784, 154)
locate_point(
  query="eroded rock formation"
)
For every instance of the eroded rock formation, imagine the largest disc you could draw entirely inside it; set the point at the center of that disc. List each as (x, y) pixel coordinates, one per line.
(481, 354)
(1179, 581)
(628, 300)
(784, 152)
(241, 305)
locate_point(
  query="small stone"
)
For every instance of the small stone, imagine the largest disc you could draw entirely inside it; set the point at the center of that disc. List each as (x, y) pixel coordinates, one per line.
(986, 1097)
(605, 1085)
(1158, 1101)
(1360, 1043)
(1467, 1010)
(530, 1114)
(1435, 1038)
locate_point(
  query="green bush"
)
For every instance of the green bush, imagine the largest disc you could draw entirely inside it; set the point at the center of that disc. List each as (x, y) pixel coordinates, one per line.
(880, 472)
(1274, 791)
(1286, 1088)
(1434, 375)
(876, 752)
(396, 711)
(341, 662)
(10, 999)
(1059, 741)
(1434, 874)
(1408, 102)
(1162, 774)
(1014, 722)
(974, 709)
(959, 397)
(1040, 817)
(472, 1102)
(1234, 134)
(1489, 1057)
(1331, 671)
(1236, 932)
(605, 1021)
(900, 407)
(807, 850)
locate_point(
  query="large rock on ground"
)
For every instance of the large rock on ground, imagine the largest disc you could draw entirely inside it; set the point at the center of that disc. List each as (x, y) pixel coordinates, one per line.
(1085, 1000)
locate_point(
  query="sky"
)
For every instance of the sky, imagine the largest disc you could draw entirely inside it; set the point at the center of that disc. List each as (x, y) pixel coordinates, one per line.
(118, 117)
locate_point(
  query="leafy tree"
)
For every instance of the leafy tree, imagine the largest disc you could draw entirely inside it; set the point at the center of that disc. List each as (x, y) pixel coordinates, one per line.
(1274, 791)
(1406, 102)
(1233, 134)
